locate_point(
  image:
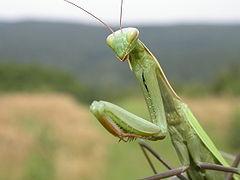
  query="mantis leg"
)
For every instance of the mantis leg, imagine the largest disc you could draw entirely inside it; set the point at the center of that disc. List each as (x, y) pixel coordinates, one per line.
(202, 165)
(217, 167)
(144, 146)
(124, 124)
(147, 157)
(170, 173)
(235, 164)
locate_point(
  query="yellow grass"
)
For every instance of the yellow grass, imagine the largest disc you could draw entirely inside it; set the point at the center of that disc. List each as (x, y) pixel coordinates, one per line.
(80, 149)
(214, 111)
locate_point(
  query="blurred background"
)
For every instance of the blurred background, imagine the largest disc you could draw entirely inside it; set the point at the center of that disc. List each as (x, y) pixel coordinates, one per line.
(54, 61)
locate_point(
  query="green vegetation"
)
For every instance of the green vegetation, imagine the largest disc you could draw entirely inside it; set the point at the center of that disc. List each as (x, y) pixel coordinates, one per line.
(35, 78)
(234, 137)
(192, 55)
(193, 89)
(39, 164)
(228, 82)
(126, 160)
(188, 53)
(225, 83)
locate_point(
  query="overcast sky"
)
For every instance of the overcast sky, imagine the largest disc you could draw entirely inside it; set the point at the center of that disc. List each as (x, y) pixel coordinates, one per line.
(135, 11)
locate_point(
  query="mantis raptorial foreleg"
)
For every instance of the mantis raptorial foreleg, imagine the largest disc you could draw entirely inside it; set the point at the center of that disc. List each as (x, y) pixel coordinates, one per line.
(124, 124)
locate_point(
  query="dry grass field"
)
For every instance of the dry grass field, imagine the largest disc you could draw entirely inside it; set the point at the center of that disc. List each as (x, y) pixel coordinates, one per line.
(48, 137)
(51, 136)
(214, 108)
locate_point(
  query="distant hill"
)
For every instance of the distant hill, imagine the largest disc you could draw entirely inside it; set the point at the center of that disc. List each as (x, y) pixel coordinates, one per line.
(187, 52)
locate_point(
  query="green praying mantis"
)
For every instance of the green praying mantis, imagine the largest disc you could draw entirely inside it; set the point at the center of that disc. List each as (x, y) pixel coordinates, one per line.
(198, 155)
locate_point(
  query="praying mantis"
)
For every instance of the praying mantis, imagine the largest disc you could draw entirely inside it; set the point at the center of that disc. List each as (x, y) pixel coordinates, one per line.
(198, 155)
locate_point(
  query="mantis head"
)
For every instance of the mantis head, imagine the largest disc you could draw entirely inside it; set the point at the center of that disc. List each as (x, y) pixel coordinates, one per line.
(123, 42)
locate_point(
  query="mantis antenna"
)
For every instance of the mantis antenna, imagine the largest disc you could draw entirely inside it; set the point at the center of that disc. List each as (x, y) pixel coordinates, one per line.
(121, 14)
(91, 14)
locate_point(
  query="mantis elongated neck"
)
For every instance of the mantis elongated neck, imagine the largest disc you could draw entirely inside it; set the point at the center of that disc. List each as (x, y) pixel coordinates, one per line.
(142, 60)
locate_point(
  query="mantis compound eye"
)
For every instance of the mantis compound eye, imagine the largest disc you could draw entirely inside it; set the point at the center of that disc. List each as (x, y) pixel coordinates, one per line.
(132, 35)
(109, 40)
